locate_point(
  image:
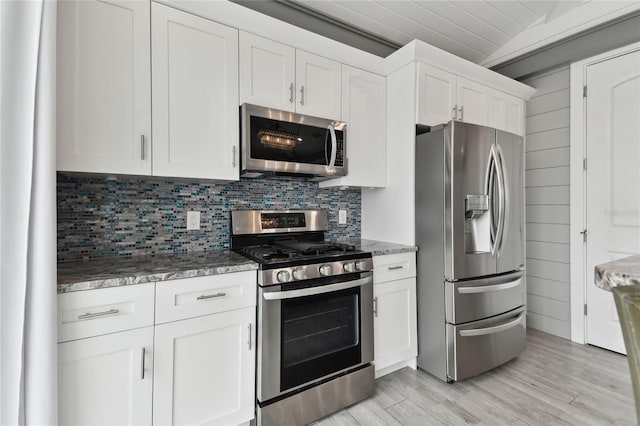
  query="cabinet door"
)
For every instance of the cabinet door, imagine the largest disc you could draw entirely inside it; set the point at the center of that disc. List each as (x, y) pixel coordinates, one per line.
(318, 85)
(195, 96)
(364, 100)
(267, 72)
(504, 112)
(471, 101)
(106, 380)
(436, 96)
(104, 87)
(514, 115)
(204, 370)
(395, 322)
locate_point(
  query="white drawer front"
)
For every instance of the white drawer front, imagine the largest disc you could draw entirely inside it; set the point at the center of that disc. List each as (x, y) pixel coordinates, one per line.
(192, 297)
(95, 312)
(391, 267)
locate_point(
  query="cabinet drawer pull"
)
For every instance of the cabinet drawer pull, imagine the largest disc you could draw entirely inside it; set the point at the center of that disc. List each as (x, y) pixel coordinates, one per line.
(249, 341)
(301, 95)
(462, 113)
(291, 93)
(233, 156)
(210, 296)
(455, 112)
(90, 315)
(142, 147)
(142, 353)
(375, 306)
(393, 268)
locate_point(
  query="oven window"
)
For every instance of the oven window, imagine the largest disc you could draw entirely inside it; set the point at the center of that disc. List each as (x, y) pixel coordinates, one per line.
(320, 335)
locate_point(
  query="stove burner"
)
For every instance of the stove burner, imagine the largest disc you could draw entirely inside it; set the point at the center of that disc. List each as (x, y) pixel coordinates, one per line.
(285, 250)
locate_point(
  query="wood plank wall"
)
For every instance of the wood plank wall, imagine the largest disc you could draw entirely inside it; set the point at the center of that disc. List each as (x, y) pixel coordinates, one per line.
(547, 203)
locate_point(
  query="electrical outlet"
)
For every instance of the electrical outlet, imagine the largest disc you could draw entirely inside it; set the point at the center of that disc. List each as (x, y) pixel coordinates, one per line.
(193, 220)
(342, 217)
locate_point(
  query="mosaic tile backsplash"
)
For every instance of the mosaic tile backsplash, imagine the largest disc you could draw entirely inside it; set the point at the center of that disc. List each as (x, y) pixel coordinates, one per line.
(127, 216)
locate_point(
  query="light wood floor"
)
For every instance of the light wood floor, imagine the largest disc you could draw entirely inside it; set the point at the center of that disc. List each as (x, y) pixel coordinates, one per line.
(552, 382)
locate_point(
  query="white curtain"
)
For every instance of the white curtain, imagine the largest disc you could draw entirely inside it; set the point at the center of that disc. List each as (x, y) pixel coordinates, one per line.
(28, 378)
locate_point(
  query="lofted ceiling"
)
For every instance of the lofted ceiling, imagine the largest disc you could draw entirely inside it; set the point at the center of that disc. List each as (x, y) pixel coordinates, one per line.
(471, 29)
(481, 31)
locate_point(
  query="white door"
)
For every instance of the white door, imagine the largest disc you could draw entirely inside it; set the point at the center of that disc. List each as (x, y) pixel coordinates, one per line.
(364, 109)
(471, 101)
(394, 322)
(104, 87)
(319, 82)
(204, 370)
(106, 380)
(436, 96)
(267, 72)
(613, 183)
(195, 96)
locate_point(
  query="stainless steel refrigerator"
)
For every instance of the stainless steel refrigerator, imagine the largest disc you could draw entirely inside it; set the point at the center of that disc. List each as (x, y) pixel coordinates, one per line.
(470, 233)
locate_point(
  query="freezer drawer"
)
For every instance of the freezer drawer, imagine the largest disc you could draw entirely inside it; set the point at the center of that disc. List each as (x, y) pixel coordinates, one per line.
(482, 345)
(471, 300)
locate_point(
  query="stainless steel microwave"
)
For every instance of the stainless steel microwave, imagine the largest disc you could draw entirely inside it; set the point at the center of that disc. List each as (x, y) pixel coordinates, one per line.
(282, 142)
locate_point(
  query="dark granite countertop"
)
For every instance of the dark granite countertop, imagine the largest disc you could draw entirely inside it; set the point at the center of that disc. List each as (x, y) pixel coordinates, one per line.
(119, 271)
(128, 270)
(624, 271)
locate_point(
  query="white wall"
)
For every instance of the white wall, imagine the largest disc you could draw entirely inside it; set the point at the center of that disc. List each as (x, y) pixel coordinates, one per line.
(547, 203)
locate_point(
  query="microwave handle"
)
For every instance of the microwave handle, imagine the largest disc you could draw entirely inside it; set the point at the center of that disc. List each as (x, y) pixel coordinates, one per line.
(334, 146)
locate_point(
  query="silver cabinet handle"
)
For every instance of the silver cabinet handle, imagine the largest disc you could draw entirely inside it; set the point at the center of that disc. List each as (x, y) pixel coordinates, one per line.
(455, 112)
(90, 315)
(249, 340)
(142, 353)
(233, 156)
(462, 113)
(492, 330)
(291, 93)
(142, 147)
(488, 288)
(375, 306)
(393, 268)
(289, 294)
(301, 95)
(211, 296)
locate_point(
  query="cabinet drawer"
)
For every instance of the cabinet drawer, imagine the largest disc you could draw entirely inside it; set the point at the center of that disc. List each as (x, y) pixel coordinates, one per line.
(94, 312)
(392, 267)
(192, 297)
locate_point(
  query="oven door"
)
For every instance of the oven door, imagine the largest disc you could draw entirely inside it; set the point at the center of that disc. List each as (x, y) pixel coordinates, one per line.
(308, 334)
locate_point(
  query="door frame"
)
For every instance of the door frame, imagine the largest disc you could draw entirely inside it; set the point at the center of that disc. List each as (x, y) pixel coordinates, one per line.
(577, 188)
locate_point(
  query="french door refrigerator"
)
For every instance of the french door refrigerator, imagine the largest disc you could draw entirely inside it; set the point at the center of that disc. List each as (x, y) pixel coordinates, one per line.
(470, 233)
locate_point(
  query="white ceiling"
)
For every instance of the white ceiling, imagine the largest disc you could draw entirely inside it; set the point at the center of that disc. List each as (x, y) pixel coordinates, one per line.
(472, 29)
(487, 32)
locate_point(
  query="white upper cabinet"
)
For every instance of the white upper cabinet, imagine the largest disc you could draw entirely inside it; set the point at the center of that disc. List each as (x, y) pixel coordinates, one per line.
(267, 73)
(364, 100)
(104, 87)
(278, 76)
(443, 96)
(436, 95)
(318, 84)
(195, 96)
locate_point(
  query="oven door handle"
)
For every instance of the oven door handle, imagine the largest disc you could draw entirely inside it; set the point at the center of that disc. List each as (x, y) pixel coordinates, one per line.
(290, 294)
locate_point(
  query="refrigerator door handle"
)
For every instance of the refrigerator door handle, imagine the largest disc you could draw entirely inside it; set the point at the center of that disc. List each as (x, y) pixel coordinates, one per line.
(501, 203)
(494, 329)
(489, 185)
(503, 221)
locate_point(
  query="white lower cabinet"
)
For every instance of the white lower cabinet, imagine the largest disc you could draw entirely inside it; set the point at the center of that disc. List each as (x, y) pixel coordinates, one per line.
(191, 360)
(395, 312)
(204, 370)
(106, 380)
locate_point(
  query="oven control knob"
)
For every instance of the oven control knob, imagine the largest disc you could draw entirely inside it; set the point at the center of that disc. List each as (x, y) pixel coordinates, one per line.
(283, 276)
(324, 270)
(361, 265)
(349, 267)
(298, 274)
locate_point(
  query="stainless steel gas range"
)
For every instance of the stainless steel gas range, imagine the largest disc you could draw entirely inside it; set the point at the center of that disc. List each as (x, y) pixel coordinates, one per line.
(315, 315)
